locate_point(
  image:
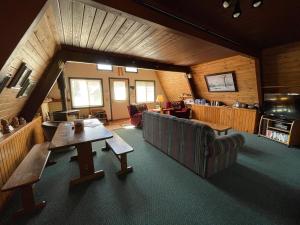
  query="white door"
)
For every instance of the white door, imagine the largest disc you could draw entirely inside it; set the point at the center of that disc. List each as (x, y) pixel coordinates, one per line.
(119, 98)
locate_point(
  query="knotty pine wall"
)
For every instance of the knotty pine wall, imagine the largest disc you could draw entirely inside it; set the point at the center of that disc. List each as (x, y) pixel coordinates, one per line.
(13, 149)
(35, 49)
(174, 84)
(245, 71)
(281, 68)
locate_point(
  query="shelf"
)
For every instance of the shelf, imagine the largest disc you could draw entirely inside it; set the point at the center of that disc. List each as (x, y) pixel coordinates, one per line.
(278, 129)
(286, 143)
(277, 120)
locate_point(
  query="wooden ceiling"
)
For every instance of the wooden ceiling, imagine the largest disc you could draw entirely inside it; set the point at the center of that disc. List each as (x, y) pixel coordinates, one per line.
(275, 22)
(98, 27)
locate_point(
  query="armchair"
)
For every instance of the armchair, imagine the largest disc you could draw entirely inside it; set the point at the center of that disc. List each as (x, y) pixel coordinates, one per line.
(135, 113)
(177, 108)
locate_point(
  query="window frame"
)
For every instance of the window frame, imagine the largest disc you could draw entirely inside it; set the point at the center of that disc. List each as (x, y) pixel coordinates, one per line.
(112, 67)
(153, 81)
(111, 91)
(86, 78)
(137, 69)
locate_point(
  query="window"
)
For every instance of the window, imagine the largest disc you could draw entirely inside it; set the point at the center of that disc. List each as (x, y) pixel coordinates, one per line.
(104, 67)
(131, 69)
(120, 90)
(145, 91)
(86, 92)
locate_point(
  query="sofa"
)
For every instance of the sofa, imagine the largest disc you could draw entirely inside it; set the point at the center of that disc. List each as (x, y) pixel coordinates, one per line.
(136, 113)
(192, 144)
(177, 108)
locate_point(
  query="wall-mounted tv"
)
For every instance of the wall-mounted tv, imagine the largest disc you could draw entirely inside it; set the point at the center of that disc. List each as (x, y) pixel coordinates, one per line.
(285, 106)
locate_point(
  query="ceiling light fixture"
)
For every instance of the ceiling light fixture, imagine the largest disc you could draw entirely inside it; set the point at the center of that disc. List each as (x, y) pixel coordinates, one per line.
(237, 10)
(257, 3)
(226, 3)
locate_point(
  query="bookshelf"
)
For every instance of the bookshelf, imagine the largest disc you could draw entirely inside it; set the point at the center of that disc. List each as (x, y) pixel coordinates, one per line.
(281, 130)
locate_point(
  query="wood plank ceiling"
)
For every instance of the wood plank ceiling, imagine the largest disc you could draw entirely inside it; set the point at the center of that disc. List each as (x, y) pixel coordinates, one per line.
(105, 29)
(36, 50)
(89, 25)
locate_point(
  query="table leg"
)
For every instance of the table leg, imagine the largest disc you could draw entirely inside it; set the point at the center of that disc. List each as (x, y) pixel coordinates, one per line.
(86, 164)
(28, 203)
(225, 132)
(106, 148)
(124, 168)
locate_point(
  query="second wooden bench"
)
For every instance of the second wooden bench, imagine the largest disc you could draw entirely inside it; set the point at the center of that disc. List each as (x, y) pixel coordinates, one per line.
(120, 148)
(28, 173)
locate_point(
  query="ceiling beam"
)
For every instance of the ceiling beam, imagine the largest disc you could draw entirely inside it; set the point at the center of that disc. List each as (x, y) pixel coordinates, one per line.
(69, 53)
(139, 9)
(15, 19)
(42, 88)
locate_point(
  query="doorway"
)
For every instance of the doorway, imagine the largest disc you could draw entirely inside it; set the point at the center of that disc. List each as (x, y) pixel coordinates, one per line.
(119, 98)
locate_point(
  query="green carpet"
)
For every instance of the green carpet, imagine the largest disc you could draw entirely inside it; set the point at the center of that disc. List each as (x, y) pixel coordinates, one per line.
(262, 188)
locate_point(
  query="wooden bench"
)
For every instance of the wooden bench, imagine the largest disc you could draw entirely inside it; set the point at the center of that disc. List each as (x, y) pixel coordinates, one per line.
(28, 173)
(120, 148)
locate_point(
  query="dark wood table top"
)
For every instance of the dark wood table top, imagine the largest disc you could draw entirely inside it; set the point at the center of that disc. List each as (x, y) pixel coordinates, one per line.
(65, 135)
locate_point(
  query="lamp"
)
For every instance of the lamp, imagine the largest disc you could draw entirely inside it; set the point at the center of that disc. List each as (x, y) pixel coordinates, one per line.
(160, 99)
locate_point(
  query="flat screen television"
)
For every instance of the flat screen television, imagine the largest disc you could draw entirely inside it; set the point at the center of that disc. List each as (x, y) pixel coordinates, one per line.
(285, 106)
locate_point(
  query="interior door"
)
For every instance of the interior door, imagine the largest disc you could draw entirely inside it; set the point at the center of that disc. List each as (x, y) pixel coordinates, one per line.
(119, 98)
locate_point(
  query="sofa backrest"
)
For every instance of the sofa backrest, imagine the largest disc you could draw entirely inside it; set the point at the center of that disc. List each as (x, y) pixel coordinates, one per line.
(184, 140)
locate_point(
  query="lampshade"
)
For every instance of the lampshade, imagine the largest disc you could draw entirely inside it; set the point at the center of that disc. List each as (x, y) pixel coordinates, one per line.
(160, 98)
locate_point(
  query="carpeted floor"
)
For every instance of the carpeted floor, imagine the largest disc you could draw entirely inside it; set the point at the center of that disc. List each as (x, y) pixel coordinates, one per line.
(262, 188)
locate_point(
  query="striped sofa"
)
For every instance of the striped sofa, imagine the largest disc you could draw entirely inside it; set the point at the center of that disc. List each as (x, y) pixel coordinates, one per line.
(193, 144)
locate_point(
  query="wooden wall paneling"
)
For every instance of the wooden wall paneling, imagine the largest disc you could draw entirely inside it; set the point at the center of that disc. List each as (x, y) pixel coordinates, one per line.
(121, 35)
(226, 116)
(36, 51)
(142, 33)
(126, 37)
(245, 70)
(14, 147)
(98, 21)
(78, 10)
(105, 28)
(244, 120)
(66, 18)
(88, 19)
(174, 84)
(112, 32)
(281, 68)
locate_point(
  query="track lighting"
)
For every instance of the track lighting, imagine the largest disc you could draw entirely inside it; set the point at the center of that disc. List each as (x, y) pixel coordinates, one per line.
(256, 3)
(237, 10)
(226, 3)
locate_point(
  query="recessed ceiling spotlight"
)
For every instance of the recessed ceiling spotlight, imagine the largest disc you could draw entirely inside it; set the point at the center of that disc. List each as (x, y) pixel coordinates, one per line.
(237, 10)
(226, 3)
(257, 3)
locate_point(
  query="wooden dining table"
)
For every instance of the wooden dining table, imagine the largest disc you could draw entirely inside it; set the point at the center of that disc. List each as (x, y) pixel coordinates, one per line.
(65, 136)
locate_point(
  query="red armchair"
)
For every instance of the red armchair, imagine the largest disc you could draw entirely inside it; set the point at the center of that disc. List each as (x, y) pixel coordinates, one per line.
(135, 113)
(178, 109)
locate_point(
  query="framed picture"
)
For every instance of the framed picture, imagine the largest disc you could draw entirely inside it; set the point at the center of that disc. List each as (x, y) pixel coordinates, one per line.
(20, 77)
(221, 82)
(3, 81)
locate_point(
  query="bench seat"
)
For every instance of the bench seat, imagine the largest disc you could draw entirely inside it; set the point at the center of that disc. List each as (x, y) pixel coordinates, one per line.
(120, 148)
(27, 173)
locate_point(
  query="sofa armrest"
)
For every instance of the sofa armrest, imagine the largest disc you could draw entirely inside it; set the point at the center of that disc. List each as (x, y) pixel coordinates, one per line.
(222, 144)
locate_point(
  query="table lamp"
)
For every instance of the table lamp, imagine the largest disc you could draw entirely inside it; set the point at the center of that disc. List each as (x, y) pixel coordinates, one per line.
(160, 99)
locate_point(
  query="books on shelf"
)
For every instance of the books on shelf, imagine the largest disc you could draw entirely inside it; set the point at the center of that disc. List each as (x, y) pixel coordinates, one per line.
(278, 136)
